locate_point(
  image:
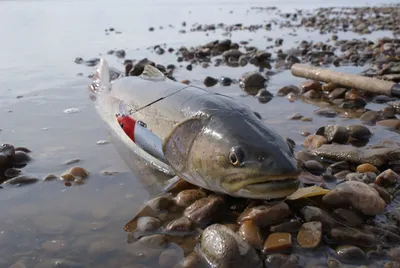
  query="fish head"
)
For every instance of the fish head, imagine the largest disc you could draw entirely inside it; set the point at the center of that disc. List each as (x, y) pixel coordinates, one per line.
(239, 156)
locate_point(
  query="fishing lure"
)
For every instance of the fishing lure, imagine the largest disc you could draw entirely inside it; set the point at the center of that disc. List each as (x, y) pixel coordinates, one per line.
(138, 132)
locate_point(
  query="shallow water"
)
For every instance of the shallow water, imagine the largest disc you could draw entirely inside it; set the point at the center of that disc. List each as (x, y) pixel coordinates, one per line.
(40, 40)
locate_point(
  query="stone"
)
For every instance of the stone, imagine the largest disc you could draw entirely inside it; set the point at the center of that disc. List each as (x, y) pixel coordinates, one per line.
(278, 242)
(310, 234)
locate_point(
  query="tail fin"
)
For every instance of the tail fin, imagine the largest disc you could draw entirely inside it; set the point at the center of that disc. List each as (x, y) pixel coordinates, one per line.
(101, 78)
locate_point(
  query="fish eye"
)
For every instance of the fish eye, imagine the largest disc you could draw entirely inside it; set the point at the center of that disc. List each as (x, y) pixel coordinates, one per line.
(236, 156)
(121, 124)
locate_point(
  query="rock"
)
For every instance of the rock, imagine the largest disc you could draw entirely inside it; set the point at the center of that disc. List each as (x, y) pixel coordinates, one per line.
(21, 158)
(314, 141)
(156, 241)
(329, 87)
(311, 94)
(310, 234)
(288, 89)
(337, 167)
(335, 133)
(180, 225)
(252, 234)
(187, 197)
(325, 112)
(223, 248)
(148, 224)
(311, 85)
(225, 81)
(352, 236)
(350, 254)
(377, 155)
(367, 177)
(358, 195)
(204, 211)
(252, 82)
(311, 214)
(393, 124)
(314, 166)
(210, 81)
(291, 226)
(370, 117)
(387, 178)
(277, 260)
(22, 179)
(363, 168)
(394, 253)
(265, 215)
(337, 93)
(264, 96)
(347, 217)
(278, 242)
(359, 132)
(193, 260)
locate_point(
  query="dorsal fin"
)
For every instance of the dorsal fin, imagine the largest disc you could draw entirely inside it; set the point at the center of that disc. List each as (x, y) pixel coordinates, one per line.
(152, 73)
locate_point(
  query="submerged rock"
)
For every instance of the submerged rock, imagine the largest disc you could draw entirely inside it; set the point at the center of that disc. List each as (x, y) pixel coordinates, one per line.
(224, 248)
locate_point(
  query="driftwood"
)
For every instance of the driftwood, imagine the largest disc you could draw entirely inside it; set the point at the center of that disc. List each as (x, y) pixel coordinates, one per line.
(367, 84)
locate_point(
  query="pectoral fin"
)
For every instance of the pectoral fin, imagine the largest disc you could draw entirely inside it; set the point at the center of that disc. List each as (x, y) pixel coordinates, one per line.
(176, 146)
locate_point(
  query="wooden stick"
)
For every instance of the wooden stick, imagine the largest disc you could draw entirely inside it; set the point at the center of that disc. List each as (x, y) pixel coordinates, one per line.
(368, 84)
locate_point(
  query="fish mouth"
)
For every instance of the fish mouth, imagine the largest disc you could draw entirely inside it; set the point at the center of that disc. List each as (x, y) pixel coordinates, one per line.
(269, 186)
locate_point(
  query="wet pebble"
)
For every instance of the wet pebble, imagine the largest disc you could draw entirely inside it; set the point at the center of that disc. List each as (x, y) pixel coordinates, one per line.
(325, 112)
(310, 234)
(148, 224)
(205, 210)
(278, 242)
(393, 124)
(252, 234)
(291, 226)
(359, 132)
(187, 197)
(21, 157)
(311, 214)
(72, 161)
(369, 117)
(180, 225)
(337, 167)
(265, 215)
(363, 168)
(347, 217)
(221, 247)
(252, 82)
(311, 85)
(22, 179)
(287, 90)
(350, 254)
(336, 133)
(352, 236)
(314, 141)
(12, 172)
(314, 166)
(210, 81)
(358, 195)
(72, 111)
(366, 177)
(79, 172)
(387, 178)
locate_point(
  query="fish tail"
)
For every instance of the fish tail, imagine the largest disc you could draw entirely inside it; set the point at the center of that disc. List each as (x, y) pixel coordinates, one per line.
(101, 78)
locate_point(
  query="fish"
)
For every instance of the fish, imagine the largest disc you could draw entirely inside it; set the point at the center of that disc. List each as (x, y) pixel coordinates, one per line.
(207, 139)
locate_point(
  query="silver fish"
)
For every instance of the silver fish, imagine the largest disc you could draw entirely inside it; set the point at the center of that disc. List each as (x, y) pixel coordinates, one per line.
(208, 139)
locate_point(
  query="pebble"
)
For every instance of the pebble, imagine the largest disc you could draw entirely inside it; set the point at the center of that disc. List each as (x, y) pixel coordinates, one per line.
(337, 93)
(287, 90)
(12, 172)
(352, 236)
(79, 172)
(350, 254)
(336, 133)
(367, 177)
(180, 225)
(22, 179)
(314, 141)
(205, 210)
(393, 124)
(311, 94)
(369, 117)
(325, 112)
(311, 85)
(314, 166)
(359, 132)
(387, 178)
(148, 224)
(366, 167)
(310, 234)
(102, 142)
(278, 242)
(311, 214)
(265, 215)
(221, 247)
(210, 81)
(252, 234)
(291, 226)
(337, 167)
(50, 177)
(188, 197)
(348, 217)
(358, 195)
